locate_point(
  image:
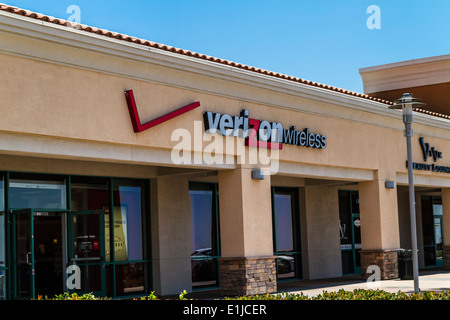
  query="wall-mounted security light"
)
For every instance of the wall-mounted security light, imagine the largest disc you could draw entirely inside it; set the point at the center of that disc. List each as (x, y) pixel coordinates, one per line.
(389, 184)
(257, 174)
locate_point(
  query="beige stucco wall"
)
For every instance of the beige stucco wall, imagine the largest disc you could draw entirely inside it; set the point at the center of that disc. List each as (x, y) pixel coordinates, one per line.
(171, 234)
(40, 99)
(245, 214)
(68, 104)
(321, 244)
(379, 216)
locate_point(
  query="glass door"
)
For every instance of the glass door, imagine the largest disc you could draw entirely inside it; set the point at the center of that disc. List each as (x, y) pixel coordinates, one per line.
(432, 231)
(23, 254)
(350, 231)
(286, 233)
(86, 251)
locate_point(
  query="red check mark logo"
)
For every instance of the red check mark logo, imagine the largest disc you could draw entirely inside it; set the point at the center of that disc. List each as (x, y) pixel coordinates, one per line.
(134, 115)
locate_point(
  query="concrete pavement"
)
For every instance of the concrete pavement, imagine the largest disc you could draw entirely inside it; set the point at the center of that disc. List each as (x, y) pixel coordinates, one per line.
(428, 281)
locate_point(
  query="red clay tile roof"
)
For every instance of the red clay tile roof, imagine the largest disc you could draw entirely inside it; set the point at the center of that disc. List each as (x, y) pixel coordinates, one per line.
(432, 113)
(115, 35)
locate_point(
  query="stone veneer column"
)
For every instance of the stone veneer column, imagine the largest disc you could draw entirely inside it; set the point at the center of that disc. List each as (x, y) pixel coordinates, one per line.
(248, 276)
(247, 265)
(386, 260)
(445, 193)
(380, 238)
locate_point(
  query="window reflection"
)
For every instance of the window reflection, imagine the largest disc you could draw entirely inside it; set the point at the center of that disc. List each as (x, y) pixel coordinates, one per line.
(89, 193)
(131, 277)
(127, 264)
(129, 241)
(201, 213)
(284, 223)
(286, 265)
(127, 224)
(128, 220)
(286, 233)
(205, 249)
(2, 284)
(36, 191)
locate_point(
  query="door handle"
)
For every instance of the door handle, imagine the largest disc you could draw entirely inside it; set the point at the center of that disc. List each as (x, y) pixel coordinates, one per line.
(85, 259)
(28, 258)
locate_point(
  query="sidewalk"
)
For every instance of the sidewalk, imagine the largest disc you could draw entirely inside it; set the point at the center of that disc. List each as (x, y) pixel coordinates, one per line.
(428, 281)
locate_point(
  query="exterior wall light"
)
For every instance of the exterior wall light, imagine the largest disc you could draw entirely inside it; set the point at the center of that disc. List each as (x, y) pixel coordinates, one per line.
(389, 184)
(257, 174)
(406, 103)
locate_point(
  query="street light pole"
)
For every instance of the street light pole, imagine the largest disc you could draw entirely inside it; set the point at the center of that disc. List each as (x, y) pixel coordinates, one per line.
(407, 120)
(406, 103)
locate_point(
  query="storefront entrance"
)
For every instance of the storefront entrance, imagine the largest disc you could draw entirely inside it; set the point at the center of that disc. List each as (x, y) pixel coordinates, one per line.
(41, 244)
(432, 230)
(350, 231)
(90, 234)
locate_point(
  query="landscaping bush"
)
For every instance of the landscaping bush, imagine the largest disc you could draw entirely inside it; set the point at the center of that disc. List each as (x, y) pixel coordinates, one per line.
(357, 294)
(73, 296)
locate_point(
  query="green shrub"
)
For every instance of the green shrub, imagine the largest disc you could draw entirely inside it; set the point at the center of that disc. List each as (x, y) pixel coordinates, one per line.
(151, 296)
(357, 294)
(73, 296)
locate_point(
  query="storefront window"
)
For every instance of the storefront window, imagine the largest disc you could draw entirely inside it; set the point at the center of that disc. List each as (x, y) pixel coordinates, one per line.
(128, 220)
(89, 193)
(106, 225)
(37, 191)
(129, 242)
(286, 233)
(205, 248)
(432, 221)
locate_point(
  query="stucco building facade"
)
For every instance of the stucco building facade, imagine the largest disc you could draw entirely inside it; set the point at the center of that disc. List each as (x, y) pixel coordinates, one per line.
(148, 168)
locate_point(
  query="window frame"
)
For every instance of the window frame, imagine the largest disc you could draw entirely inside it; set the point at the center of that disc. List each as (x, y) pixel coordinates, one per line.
(214, 187)
(296, 231)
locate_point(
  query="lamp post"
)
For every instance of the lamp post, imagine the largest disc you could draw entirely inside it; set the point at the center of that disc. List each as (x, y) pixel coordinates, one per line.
(406, 103)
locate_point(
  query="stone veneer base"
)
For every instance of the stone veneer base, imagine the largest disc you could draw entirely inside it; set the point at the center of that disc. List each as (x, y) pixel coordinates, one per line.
(387, 260)
(447, 257)
(248, 275)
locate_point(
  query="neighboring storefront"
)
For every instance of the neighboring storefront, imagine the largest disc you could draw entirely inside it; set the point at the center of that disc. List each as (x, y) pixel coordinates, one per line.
(127, 167)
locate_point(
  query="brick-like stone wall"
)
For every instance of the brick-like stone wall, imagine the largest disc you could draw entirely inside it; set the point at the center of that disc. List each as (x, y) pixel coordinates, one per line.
(447, 257)
(247, 276)
(387, 260)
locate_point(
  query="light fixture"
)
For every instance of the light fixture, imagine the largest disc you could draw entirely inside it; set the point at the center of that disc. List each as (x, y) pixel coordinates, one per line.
(257, 174)
(388, 184)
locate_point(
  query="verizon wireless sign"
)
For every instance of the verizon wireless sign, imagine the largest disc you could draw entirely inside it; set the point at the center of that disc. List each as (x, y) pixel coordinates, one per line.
(261, 133)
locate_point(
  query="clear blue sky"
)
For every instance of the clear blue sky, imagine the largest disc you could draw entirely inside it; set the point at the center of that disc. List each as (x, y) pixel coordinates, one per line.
(320, 40)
